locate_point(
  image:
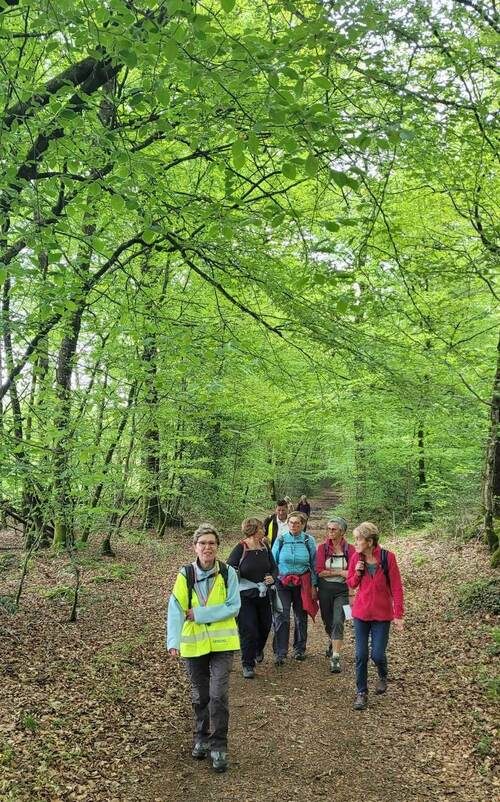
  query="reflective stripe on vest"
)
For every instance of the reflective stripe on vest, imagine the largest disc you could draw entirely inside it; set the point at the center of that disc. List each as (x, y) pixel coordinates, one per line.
(198, 639)
(221, 633)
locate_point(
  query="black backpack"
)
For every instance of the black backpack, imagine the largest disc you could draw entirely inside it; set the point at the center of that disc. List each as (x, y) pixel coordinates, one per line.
(191, 577)
(384, 561)
(384, 564)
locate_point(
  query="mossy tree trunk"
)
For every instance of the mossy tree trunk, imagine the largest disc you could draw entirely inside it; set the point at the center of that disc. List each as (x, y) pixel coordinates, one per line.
(491, 487)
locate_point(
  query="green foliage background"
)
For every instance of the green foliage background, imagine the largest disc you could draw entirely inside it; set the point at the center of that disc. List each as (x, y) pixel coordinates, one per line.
(246, 248)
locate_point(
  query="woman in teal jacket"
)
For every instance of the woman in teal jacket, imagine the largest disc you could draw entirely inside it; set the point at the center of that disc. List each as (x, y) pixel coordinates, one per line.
(295, 556)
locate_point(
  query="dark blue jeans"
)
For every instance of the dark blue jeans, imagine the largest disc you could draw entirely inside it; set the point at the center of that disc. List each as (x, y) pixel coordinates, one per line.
(379, 631)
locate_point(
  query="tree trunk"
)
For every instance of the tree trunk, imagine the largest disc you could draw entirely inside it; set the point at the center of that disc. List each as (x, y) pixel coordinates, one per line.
(153, 511)
(31, 506)
(100, 417)
(361, 468)
(3, 515)
(63, 513)
(176, 480)
(109, 455)
(491, 486)
(422, 478)
(40, 364)
(120, 496)
(271, 484)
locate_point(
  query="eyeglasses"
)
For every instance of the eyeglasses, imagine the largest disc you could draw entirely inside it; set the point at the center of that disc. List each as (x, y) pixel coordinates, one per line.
(206, 543)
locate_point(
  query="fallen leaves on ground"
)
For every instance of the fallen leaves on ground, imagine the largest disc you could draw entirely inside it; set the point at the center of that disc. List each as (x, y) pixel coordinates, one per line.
(96, 712)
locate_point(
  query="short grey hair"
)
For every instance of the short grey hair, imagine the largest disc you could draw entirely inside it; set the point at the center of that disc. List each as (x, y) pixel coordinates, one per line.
(205, 529)
(341, 522)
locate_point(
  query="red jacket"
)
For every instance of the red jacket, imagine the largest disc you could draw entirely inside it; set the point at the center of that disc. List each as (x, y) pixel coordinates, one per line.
(327, 547)
(309, 605)
(376, 599)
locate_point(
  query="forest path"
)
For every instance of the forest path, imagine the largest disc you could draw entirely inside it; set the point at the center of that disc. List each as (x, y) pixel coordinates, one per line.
(96, 712)
(294, 733)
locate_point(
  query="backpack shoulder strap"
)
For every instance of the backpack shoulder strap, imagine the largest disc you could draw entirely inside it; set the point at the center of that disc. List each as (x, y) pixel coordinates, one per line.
(384, 560)
(224, 572)
(190, 580)
(244, 552)
(346, 551)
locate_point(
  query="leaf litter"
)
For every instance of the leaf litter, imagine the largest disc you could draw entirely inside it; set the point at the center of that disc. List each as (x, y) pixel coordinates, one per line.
(95, 711)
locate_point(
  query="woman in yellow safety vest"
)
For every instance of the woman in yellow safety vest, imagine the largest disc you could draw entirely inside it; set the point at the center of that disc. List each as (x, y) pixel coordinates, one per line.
(202, 629)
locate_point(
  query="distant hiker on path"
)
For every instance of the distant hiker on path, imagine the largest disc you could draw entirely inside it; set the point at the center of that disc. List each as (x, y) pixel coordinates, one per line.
(304, 506)
(289, 504)
(201, 628)
(257, 570)
(378, 601)
(277, 523)
(332, 561)
(295, 555)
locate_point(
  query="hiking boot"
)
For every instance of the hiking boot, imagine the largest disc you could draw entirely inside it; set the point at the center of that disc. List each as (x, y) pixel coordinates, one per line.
(200, 750)
(361, 701)
(248, 672)
(259, 658)
(335, 664)
(381, 685)
(329, 650)
(299, 656)
(219, 761)
(279, 660)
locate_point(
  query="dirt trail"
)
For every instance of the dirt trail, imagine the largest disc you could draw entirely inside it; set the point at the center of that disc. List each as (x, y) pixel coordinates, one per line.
(294, 734)
(96, 712)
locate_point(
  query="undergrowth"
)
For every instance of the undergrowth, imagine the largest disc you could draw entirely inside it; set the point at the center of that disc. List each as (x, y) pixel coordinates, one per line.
(480, 596)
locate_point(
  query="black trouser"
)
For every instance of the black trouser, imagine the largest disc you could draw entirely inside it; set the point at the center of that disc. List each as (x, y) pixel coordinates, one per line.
(290, 595)
(254, 624)
(209, 675)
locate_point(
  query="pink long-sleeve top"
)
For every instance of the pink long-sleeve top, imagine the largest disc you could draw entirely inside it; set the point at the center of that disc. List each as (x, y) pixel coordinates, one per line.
(325, 549)
(376, 598)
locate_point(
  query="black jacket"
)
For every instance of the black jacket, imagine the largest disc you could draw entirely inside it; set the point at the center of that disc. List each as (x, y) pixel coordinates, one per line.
(271, 527)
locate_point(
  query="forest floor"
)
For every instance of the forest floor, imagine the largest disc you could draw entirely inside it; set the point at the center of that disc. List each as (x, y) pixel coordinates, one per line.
(95, 711)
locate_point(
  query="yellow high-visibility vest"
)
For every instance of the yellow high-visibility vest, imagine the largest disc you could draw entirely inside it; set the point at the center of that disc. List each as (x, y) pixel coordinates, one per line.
(198, 639)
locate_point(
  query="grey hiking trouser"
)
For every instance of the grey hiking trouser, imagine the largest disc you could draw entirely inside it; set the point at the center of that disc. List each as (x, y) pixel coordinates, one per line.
(209, 675)
(332, 597)
(290, 596)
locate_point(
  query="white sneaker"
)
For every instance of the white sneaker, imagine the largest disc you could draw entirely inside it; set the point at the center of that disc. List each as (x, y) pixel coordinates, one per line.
(335, 664)
(219, 761)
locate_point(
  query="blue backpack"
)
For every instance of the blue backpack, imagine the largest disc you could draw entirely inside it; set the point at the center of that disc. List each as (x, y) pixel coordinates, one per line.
(281, 540)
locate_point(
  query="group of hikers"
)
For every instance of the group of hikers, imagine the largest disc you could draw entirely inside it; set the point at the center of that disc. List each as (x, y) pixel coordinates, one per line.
(217, 608)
